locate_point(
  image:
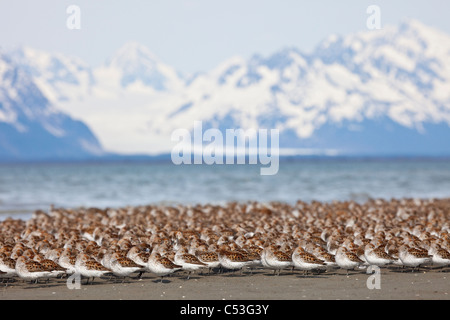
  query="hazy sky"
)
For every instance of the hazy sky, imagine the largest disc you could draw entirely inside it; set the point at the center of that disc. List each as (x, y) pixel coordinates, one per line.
(196, 35)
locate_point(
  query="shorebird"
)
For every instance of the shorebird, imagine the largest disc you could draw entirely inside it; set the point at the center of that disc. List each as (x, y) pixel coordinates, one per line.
(306, 261)
(377, 256)
(141, 259)
(106, 258)
(161, 266)
(275, 259)
(89, 268)
(30, 270)
(122, 266)
(392, 251)
(210, 258)
(54, 269)
(440, 257)
(232, 260)
(412, 257)
(188, 261)
(326, 257)
(8, 266)
(243, 230)
(67, 260)
(54, 254)
(253, 254)
(139, 254)
(346, 259)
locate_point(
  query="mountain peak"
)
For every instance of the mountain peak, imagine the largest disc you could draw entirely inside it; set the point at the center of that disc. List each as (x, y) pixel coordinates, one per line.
(135, 62)
(131, 53)
(40, 58)
(435, 40)
(345, 94)
(31, 127)
(416, 25)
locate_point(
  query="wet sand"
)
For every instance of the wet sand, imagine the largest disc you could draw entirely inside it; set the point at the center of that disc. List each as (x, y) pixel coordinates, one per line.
(261, 285)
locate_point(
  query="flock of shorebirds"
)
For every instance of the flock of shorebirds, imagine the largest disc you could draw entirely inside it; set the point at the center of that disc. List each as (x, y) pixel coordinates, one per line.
(161, 240)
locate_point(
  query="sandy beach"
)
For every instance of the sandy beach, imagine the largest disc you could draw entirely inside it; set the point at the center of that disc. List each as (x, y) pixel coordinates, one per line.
(261, 285)
(109, 238)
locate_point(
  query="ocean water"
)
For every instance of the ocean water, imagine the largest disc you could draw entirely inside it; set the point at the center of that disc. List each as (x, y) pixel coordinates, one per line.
(28, 187)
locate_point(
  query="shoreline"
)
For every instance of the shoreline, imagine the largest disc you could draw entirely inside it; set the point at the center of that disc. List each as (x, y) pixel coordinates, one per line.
(408, 231)
(395, 284)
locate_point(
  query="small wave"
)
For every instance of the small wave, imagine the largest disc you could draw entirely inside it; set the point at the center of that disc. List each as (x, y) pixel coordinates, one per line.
(15, 214)
(359, 197)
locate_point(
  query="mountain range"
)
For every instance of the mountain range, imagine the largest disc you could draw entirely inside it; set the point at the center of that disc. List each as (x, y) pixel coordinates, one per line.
(31, 127)
(377, 92)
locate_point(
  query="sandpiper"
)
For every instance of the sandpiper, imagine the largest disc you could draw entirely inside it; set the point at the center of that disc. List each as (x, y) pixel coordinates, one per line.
(346, 259)
(306, 261)
(161, 266)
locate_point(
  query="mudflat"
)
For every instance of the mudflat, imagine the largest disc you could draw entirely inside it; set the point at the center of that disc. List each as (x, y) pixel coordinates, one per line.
(261, 284)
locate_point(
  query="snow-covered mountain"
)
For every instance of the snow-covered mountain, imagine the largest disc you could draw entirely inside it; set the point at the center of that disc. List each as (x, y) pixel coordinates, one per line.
(134, 63)
(59, 77)
(374, 92)
(31, 127)
(384, 91)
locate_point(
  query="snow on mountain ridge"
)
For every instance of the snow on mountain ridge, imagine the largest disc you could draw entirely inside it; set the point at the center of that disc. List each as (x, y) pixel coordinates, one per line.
(31, 127)
(347, 79)
(136, 62)
(399, 75)
(59, 77)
